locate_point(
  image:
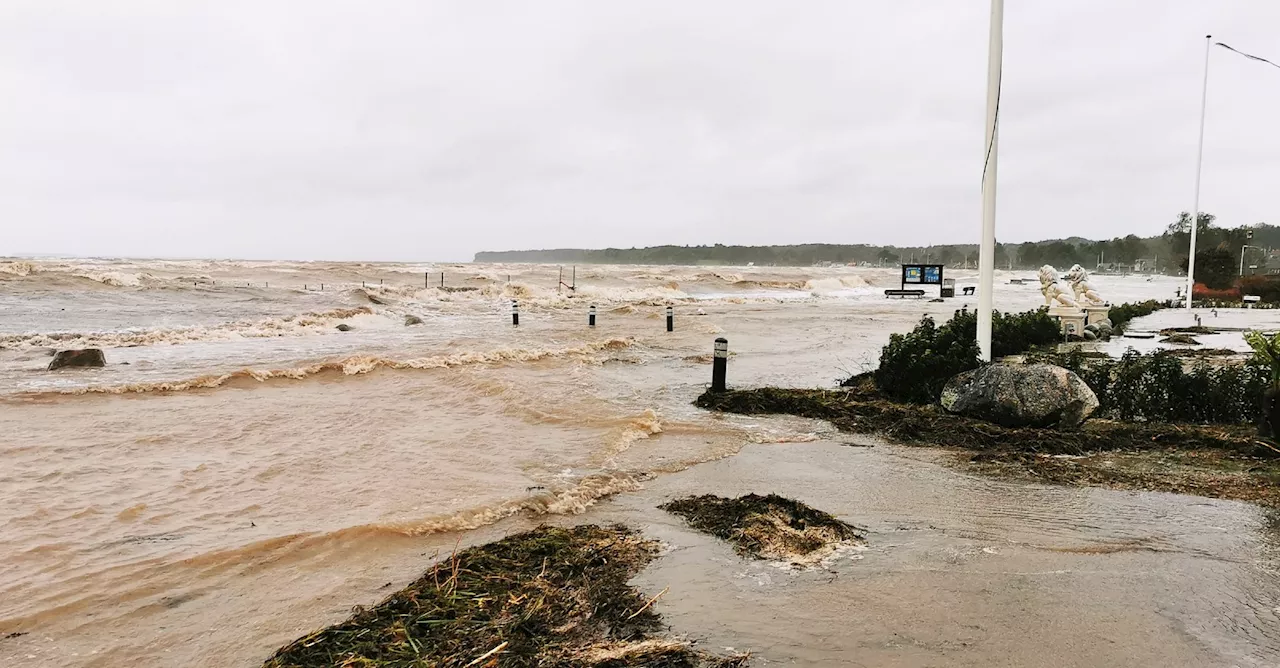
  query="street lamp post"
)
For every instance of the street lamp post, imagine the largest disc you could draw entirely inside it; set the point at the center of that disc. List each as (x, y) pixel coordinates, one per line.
(1195, 210)
(987, 249)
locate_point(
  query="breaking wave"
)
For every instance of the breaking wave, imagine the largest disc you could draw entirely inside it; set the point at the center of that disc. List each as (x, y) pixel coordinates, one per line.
(349, 366)
(574, 499)
(299, 325)
(19, 268)
(835, 284)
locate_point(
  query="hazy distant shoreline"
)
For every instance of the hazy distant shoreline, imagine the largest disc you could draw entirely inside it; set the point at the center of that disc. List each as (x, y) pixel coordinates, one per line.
(1153, 254)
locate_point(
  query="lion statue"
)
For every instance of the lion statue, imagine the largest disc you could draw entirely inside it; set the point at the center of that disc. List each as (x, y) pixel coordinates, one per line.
(1079, 279)
(1055, 293)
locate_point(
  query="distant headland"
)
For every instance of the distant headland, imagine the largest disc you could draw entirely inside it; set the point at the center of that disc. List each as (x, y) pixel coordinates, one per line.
(1164, 253)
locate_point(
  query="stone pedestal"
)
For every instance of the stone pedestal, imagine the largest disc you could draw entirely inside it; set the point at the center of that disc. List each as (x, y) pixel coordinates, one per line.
(1072, 319)
(1096, 314)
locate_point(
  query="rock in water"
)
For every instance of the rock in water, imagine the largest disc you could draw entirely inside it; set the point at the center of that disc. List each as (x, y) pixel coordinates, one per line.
(85, 357)
(344, 327)
(1021, 395)
(410, 320)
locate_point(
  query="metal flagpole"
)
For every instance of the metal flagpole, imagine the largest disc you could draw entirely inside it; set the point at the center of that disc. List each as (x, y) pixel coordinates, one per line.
(987, 250)
(1195, 211)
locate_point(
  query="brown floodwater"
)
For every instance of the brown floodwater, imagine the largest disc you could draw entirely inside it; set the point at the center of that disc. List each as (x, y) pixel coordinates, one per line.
(241, 472)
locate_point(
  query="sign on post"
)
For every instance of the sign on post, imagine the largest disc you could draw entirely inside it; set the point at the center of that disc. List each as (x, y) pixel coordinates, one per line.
(921, 274)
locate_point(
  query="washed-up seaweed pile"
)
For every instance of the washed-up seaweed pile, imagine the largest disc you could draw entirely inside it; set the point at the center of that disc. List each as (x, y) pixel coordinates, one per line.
(549, 597)
(930, 425)
(766, 527)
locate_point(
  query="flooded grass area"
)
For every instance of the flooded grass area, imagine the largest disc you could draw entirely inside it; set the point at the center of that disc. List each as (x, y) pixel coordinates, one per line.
(1210, 473)
(547, 597)
(1220, 461)
(767, 527)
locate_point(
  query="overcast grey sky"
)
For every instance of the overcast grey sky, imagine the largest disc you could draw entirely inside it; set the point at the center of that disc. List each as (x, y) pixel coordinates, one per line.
(428, 130)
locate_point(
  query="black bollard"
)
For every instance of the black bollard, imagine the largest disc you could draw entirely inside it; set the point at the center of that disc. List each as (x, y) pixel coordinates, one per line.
(515, 313)
(671, 319)
(719, 365)
(591, 316)
(426, 279)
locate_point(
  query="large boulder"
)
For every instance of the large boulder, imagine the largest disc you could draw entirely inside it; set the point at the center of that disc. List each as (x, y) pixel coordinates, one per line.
(1021, 395)
(85, 357)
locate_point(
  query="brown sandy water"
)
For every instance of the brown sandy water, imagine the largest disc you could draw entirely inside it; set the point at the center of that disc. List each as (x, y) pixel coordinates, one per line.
(252, 473)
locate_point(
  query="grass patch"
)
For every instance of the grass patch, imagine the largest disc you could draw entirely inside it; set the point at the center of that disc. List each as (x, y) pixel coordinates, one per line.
(930, 425)
(1209, 473)
(1221, 461)
(766, 527)
(549, 597)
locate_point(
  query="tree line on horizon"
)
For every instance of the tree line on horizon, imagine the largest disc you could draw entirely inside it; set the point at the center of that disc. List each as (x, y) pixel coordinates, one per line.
(1166, 253)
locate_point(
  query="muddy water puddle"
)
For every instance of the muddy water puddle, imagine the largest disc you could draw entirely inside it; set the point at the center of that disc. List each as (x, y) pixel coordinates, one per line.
(963, 570)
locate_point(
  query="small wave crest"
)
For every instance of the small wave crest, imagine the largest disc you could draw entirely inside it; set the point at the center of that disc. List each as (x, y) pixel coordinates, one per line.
(349, 366)
(19, 267)
(573, 499)
(299, 325)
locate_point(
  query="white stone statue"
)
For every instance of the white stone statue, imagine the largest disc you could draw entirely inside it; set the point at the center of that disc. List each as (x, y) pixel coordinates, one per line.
(1079, 279)
(1055, 293)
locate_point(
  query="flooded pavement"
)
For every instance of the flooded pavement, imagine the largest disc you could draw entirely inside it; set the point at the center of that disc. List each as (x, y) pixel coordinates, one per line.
(968, 571)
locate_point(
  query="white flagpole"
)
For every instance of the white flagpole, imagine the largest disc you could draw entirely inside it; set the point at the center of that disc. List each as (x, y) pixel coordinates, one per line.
(987, 250)
(1195, 210)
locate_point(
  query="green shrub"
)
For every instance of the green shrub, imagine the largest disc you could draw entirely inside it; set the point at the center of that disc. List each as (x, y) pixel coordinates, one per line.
(1122, 314)
(915, 366)
(1156, 387)
(1266, 353)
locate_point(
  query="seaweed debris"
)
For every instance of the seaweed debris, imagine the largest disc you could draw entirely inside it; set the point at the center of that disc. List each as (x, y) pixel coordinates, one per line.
(548, 597)
(930, 425)
(766, 527)
(1197, 329)
(1185, 339)
(1202, 352)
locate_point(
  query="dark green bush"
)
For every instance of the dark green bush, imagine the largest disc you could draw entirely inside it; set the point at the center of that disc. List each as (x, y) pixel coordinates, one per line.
(1156, 388)
(915, 366)
(1122, 314)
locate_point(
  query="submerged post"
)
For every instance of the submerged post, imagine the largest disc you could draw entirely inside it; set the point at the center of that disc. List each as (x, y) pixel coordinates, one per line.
(671, 319)
(591, 316)
(719, 365)
(515, 313)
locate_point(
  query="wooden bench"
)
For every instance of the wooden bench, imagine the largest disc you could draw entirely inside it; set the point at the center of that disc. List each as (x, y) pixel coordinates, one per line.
(904, 293)
(968, 289)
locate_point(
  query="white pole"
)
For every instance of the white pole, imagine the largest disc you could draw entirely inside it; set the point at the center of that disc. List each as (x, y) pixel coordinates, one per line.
(987, 250)
(1195, 210)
